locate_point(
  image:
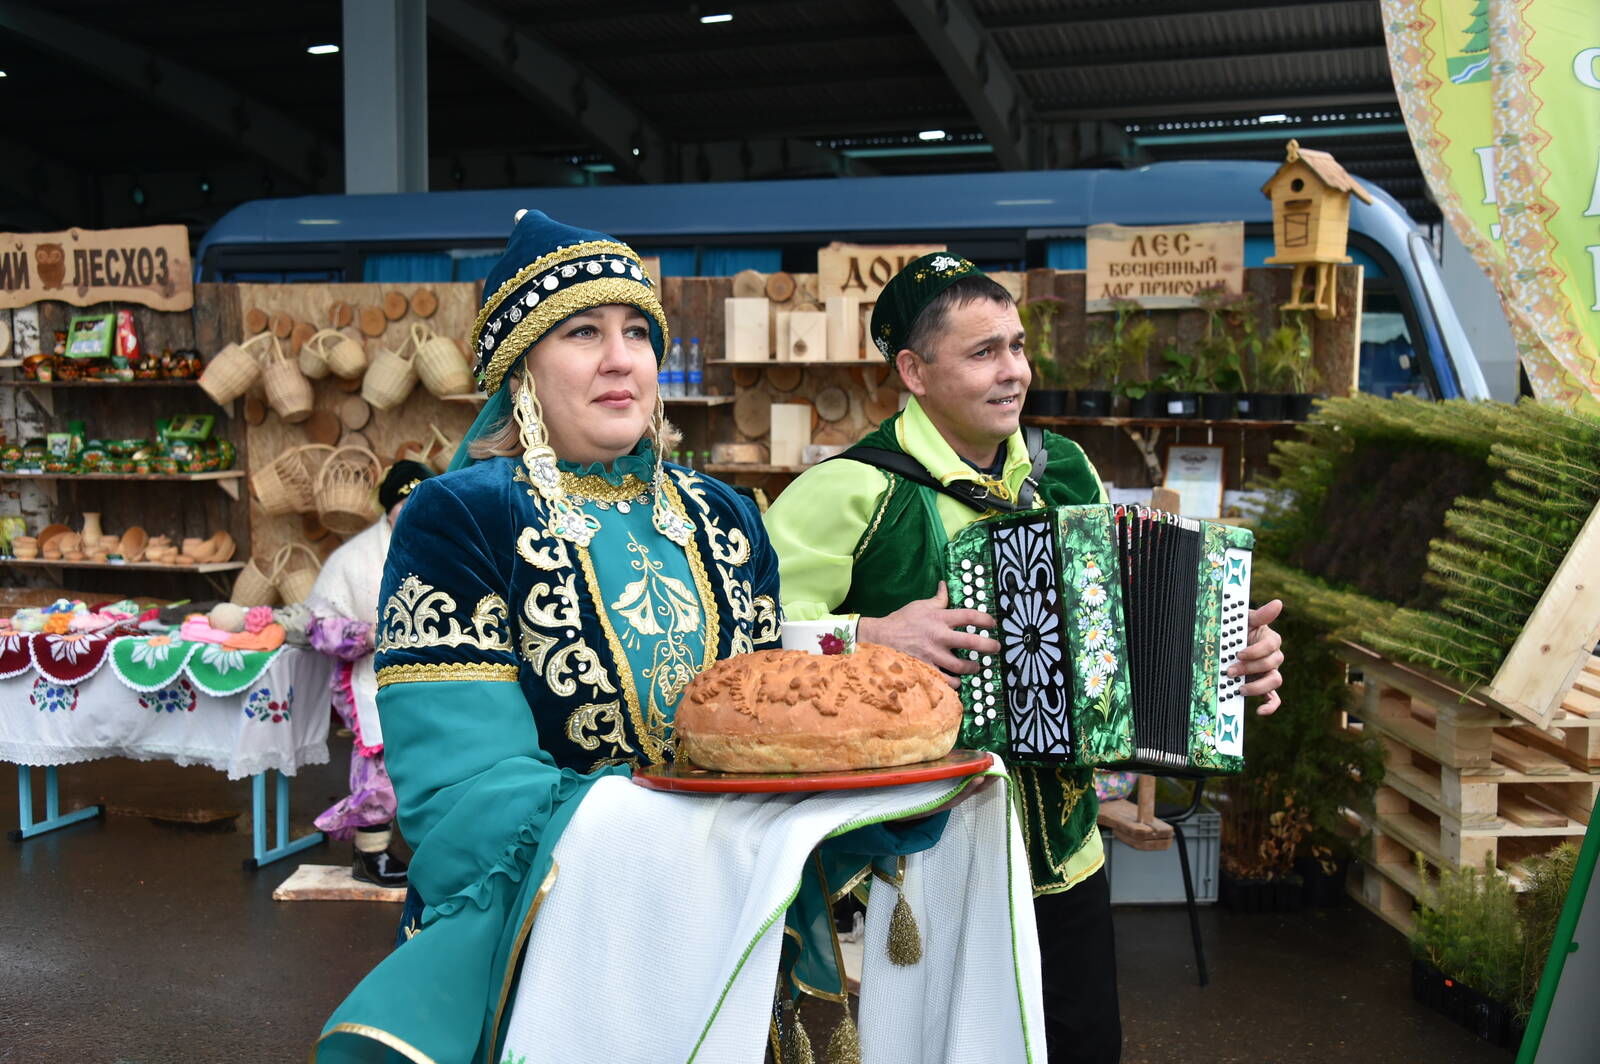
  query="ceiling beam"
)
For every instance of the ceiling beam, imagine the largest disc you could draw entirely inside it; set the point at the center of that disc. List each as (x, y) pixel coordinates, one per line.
(627, 139)
(981, 75)
(257, 128)
(1167, 9)
(1218, 106)
(709, 42)
(1352, 46)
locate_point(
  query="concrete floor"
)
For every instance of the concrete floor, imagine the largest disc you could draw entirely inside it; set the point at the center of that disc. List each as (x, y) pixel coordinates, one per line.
(140, 941)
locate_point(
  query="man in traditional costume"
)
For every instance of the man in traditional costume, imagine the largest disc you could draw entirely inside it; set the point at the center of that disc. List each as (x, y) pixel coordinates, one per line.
(544, 605)
(860, 543)
(344, 610)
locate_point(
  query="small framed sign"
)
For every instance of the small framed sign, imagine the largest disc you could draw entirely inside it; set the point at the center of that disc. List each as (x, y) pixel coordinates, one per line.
(1196, 472)
(91, 336)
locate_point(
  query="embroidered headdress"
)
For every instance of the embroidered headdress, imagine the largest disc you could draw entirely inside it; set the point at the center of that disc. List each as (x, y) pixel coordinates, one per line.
(400, 481)
(908, 292)
(550, 272)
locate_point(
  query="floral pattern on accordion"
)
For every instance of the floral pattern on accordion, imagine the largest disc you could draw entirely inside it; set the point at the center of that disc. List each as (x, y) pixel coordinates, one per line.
(1091, 589)
(1216, 540)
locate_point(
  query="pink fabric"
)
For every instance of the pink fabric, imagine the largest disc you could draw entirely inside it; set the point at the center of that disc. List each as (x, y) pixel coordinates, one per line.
(371, 799)
(196, 629)
(257, 618)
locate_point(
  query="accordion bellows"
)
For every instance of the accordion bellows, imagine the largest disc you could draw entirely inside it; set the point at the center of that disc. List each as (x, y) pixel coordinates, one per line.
(1117, 624)
(790, 711)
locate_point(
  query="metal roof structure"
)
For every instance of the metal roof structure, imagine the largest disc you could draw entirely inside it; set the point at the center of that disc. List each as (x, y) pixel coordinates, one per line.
(123, 113)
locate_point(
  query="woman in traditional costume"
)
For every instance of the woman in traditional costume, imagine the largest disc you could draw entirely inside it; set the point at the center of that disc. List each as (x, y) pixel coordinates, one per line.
(544, 605)
(344, 610)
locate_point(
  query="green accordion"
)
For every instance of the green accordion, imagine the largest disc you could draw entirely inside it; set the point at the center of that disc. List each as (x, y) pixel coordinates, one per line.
(1117, 625)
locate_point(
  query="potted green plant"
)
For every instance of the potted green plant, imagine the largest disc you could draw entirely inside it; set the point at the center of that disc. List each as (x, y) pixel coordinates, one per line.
(1219, 355)
(1288, 369)
(1177, 390)
(1467, 947)
(1118, 347)
(1045, 396)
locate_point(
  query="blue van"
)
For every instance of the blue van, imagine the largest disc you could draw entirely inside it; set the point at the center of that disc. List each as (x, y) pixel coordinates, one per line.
(1411, 341)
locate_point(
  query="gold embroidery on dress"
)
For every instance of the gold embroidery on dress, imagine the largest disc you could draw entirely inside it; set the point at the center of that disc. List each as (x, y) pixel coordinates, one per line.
(551, 618)
(598, 489)
(649, 724)
(731, 547)
(542, 551)
(585, 724)
(445, 671)
(767, 625)
(692, 486)
(659, 605)
(419, 615)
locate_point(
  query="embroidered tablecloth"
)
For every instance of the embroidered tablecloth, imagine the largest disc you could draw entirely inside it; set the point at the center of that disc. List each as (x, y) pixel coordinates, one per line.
(279, 721)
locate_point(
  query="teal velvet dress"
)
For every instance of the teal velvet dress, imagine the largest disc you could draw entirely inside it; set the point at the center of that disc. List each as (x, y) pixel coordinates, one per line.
(515, 669)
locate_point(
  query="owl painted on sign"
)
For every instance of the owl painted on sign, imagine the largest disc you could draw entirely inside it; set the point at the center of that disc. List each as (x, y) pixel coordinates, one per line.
(52, 264)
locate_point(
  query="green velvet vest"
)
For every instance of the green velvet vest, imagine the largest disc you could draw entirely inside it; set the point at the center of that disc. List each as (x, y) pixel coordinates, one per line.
(900, 559)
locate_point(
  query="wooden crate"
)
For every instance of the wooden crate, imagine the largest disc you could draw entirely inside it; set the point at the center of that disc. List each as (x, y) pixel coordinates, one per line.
(1465, 782)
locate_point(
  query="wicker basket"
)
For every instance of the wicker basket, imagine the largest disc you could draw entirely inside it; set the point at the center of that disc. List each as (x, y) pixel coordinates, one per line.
(234, 370)
(439, 451)
(391, 376)
(313, 363)
(343, 356)
(254, 586)
(295, 573)
(439, 362)
(346, 491)
(288, 391)
(287, 484)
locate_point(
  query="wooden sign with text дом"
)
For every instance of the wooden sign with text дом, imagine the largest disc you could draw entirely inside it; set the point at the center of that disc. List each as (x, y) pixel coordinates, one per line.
(88, 266)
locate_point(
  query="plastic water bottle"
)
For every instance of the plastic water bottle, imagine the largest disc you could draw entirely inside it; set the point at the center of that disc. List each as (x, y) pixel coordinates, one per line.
(694, 370)
(672, 376)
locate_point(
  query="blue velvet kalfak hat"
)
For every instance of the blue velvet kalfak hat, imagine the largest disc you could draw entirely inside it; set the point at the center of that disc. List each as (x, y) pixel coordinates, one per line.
(548, 273)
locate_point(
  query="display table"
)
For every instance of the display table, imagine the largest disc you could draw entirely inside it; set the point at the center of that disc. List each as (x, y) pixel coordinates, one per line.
(65, 700)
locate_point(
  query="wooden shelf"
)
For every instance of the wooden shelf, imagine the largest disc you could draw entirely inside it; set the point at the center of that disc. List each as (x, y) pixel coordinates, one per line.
(820, 363)
(1156, 422)
(751, 467)
(215, 474)
(175, 382)
(697, 400)
(465, 397)
(203, 567)
(226, 479)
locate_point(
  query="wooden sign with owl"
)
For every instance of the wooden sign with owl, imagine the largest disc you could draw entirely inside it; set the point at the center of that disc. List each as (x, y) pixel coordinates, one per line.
(149, 265)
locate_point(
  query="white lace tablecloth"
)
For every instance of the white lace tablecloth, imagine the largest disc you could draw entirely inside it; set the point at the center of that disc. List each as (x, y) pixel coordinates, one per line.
(279, 722)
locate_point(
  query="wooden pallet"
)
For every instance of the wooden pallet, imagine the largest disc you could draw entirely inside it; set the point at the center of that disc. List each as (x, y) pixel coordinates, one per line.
(1465, 781)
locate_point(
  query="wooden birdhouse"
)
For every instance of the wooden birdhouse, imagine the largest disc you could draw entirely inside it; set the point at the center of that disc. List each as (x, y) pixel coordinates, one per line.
(1310, 197)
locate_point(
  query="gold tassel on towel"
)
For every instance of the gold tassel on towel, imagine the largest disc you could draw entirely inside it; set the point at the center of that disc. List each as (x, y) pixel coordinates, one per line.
(844, 1045)
(796, 1043)
(905, 939)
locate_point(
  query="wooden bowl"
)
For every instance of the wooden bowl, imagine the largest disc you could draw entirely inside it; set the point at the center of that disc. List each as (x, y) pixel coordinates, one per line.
(108, 544)
(25, 553)
(184, 559)
(133, 544)
(49, 532)
(198, 549)
(74, 556)
(69, 542)
(221, 547)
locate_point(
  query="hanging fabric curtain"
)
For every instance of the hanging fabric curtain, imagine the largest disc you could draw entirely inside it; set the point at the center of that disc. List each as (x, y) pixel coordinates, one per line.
(1502, 99)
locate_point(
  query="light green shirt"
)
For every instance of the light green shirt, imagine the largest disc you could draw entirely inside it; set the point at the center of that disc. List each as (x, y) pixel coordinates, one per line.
(817, 522)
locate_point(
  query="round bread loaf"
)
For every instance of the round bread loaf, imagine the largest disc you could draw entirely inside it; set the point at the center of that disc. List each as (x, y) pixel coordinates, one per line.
(790, 711)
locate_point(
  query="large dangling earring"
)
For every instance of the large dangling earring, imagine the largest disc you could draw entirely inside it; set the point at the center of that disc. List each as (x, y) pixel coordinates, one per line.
(669, 520)
(563, 520)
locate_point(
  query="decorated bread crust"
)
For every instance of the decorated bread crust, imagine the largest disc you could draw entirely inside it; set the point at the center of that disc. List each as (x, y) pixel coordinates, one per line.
(790, 711)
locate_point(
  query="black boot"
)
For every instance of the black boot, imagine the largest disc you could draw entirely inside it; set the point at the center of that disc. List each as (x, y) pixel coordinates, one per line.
(376, 865)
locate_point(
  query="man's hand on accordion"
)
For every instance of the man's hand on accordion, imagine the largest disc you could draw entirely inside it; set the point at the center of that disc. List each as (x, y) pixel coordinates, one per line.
(1260, 658)
(929, 630)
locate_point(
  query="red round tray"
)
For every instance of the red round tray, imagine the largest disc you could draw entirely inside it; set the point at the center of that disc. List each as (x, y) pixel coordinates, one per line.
(687, 777)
